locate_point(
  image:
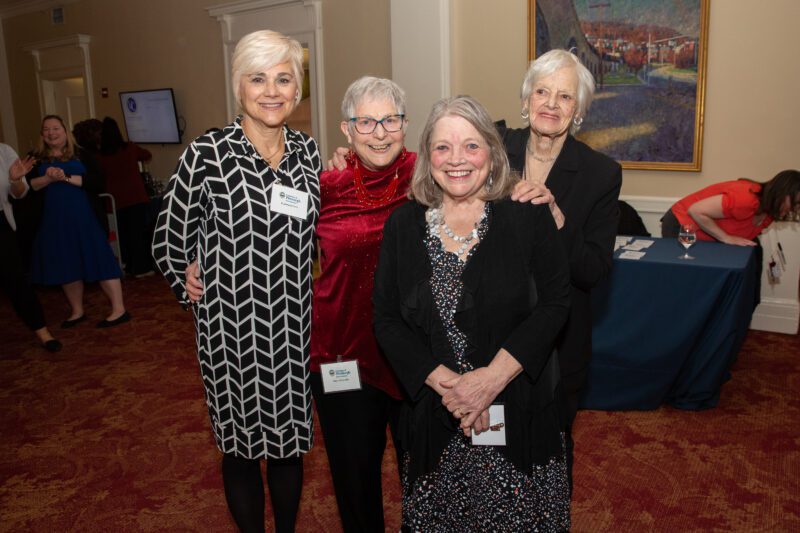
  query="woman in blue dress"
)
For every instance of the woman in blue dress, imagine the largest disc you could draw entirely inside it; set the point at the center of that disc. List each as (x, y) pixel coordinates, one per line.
(71, 247)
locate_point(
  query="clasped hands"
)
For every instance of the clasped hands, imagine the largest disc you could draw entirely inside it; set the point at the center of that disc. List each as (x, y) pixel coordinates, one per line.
(55, 174)
(469, 395)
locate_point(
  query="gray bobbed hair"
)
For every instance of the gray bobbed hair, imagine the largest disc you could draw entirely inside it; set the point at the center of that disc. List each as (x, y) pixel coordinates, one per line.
(423, 187)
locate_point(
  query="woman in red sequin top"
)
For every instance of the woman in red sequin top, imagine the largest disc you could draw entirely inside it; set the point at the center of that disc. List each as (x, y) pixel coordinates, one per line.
(356, 201)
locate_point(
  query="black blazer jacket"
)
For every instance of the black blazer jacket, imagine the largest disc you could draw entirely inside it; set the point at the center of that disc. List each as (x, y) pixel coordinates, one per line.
(516, 296)
(586, 186)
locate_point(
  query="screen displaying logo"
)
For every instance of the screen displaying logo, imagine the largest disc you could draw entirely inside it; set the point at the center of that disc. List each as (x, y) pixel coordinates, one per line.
(131, 103)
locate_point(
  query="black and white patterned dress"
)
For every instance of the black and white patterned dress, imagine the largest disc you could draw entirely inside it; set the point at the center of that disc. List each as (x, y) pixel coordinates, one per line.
(253, 322)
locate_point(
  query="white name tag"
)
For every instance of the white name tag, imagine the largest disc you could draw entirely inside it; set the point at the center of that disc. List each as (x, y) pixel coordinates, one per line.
(289, 201)
(496, 435)
(340, 376)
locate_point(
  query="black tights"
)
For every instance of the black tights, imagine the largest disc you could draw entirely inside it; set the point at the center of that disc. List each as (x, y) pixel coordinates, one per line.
(244, 491)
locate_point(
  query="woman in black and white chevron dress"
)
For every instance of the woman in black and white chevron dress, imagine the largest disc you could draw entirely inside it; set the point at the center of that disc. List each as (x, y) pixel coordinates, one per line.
(243, 204)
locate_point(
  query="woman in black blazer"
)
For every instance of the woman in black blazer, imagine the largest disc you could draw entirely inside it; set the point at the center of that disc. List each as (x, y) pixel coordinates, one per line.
(470, 292)
(580, 185)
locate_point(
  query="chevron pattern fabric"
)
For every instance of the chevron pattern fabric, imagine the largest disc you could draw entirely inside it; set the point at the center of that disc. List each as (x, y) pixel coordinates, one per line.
(253, 322)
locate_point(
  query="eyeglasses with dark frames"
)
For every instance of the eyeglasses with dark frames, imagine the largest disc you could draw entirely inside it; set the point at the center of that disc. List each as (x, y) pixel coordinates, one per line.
(366, 125)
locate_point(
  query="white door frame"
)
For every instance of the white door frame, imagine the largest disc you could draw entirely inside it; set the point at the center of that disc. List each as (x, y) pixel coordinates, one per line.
(299, 19)
(58, 59)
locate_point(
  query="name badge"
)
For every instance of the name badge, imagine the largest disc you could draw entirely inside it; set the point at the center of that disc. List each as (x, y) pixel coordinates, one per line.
(289, 201)
(496, 434)
(340, 376)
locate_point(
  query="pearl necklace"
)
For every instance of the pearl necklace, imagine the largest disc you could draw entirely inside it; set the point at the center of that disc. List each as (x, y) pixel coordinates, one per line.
(437, 225)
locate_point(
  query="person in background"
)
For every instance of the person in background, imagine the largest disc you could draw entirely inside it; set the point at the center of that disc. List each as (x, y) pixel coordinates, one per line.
(581, 187)
(120, 163)
(735, 212)
(87, 134)
(243, 205)
(14, 279)
(70, 247)
(470, 292)
(87, 137)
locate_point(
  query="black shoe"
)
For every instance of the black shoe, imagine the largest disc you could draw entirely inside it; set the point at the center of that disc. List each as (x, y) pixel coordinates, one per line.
(121, 319)
(52, 346)
(71, 323)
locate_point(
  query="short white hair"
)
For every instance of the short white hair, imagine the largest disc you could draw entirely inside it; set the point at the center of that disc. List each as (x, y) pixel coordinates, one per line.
(262, 50)
(372, 88)
(555, 60)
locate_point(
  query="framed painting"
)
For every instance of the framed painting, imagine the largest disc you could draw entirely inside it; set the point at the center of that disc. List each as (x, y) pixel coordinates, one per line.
(648, 58)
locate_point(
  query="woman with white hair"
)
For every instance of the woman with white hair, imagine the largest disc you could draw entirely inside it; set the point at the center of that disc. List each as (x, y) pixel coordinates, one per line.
(243, 205)
(581, 187)
(356, 201)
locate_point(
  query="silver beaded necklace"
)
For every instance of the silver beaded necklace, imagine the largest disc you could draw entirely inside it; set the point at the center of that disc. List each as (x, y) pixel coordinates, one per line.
(437, 225)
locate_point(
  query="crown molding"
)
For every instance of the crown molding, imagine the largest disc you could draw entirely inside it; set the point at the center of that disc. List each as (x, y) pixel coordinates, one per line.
(13, 8)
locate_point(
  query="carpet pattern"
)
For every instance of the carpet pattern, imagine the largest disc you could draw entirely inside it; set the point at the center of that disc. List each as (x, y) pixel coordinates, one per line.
(112, 434)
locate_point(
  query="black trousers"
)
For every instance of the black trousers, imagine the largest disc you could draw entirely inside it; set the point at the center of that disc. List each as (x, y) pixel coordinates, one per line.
(15, 281)
(134, 239)
(354, 429)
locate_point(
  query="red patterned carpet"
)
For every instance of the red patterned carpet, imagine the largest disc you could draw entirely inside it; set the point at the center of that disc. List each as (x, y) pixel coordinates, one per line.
(111, 434)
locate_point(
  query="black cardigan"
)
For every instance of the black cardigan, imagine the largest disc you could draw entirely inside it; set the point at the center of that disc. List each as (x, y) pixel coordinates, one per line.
(586, 185)
(516, 296)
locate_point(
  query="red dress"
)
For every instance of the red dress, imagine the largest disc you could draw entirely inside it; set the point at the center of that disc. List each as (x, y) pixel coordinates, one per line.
(739, 205)
(350, 234)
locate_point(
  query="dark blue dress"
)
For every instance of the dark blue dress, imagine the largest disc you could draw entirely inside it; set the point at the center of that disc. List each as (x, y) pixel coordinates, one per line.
(71, 245)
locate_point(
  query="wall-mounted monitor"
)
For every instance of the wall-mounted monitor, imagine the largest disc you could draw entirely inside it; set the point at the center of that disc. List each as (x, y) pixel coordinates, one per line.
(150, 116)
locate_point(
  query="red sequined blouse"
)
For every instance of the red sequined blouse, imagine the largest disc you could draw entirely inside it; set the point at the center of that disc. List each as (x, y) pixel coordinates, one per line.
(350, 234)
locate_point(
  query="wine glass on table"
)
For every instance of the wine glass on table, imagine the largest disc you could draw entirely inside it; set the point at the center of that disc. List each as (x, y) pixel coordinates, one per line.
(687, 237)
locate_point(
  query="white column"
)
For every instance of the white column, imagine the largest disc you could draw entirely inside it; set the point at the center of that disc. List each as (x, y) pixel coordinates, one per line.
(6, 104)
(420, 57)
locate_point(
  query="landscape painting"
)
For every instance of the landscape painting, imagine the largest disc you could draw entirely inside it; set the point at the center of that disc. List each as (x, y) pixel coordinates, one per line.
(648, 58)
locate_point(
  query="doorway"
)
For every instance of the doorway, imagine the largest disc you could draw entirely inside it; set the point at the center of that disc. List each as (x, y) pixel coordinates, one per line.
(64, 77)
(66, 98)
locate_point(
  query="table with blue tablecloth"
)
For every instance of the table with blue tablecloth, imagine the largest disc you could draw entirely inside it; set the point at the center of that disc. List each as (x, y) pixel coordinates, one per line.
(668, 330)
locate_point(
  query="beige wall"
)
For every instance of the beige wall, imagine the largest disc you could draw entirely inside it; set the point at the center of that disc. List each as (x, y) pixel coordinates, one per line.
(489, 53)
(752, 106)
(150, 44)
(357, 43)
